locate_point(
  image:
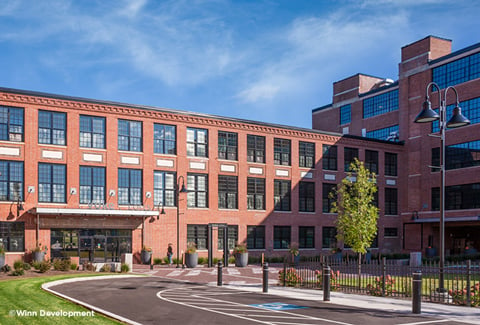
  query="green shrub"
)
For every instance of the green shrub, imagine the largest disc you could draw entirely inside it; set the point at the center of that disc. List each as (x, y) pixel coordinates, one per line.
(157, 261)
(124, 268)
(61, 264)
(460, 296)
(18, 272)
(291, 278)
(26, 266)
(87, 266)
(106, 268)
(376, 289)
(18, 265)
(44, 266)
(202, 260)
(35, 265)
(6, 268)
(73, 266)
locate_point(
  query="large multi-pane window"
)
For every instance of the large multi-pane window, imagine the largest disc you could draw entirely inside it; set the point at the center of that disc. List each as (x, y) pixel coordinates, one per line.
(197, 186)
(11, 180)
(390, 232)
(52, 127)
(349, 156)
(458, 71)
(164, 189)
(281, 152)
(380, 104)
(255, 193)
(198, 235)
(256, 237)
(345, 114)
(227, 192)
(461, 155)
(232, 234)
(92, 184)
(12, 236)
(327, 200)
(11, 123)
(458, 197)
(92, 131)
(130, 186)
(255, 148)
(52, 183)
(389, 133)
(470, 108)
(306, 154)
(329, 237)
(197, 142)
(227, 145)
(390, 164)
(164, 139)
(306, 196)
(129, 135)
(329, 157)
(306, 237)
(281, 237)
(371, 161)
(281, 195)
(391, 201)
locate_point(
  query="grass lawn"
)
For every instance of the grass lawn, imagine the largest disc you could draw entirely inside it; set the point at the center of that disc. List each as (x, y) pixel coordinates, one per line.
(26, 295)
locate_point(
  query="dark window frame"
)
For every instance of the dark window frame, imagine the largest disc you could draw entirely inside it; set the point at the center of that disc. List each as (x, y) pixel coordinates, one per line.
(131, 182)
(227, 192)
(12, 123)
(227, 145)
(282, 237)
(128, 137)
(256, 148)
(53, 181)
(256, 237)
(200, 149)
(306, 237)
(329, 157)
(12, 180)
(93, 182)
(93, 137)
(49, 129)
(306, 154)
(164, 191)
(282, 195)
(164, 139)
(195, 193)
(255, 193)
(306, 196)
(282, 152)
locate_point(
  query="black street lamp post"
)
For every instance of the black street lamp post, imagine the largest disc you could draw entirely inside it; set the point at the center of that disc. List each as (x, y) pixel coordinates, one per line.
(457, 120)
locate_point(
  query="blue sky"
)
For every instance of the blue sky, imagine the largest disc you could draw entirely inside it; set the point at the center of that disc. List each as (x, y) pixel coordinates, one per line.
(265, 60)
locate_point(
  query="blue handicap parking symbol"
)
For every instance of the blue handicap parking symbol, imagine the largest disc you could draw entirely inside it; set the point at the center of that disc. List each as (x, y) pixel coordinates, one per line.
(277, 306)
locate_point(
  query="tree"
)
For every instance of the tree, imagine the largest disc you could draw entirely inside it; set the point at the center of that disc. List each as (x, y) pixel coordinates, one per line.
(357, 215)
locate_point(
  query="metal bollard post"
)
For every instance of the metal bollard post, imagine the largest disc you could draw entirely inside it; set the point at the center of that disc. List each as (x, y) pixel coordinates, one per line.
(220, 274)
(265, 277)
(326, 283)
(417, 293)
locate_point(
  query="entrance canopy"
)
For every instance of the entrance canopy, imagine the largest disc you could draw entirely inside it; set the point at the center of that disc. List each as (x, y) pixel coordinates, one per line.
(93, 212)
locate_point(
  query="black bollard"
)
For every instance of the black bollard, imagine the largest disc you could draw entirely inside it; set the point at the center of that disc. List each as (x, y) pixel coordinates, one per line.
(219, 274)
(326, 283)
(265, 277)
(417, 293)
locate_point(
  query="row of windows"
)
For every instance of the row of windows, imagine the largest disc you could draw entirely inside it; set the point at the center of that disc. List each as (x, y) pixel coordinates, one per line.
(458, 197)
(458, 71)
(345, 114)
(282, 237)
(389, 133)
(470, 108)
(380, 104)
(461, 155)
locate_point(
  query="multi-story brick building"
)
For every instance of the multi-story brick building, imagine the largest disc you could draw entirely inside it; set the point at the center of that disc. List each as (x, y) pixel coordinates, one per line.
(372, 107)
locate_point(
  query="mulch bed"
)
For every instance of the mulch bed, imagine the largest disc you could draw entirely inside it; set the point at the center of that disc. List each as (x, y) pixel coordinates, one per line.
(34, 273)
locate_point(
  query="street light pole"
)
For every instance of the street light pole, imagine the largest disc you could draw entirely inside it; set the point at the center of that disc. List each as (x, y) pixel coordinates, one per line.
(178, 191)
(457, 120)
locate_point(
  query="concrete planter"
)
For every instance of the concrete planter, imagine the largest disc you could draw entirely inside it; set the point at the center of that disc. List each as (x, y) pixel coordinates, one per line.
(38, 256)
(241, 259)
(2, 260)
(191, 259)
(146, 257)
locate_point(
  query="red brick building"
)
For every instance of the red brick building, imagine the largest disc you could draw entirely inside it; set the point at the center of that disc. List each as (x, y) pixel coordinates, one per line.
(380, 108)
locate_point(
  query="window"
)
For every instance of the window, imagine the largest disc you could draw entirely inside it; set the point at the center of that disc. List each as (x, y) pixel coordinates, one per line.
(329, 158)
(227, 145)
(306, 196)
(164, 139)
(92, 132)
(391, 201)
(306, 237)
(281, 152)
(281, 195)
(349, 156)
(255, 148)
(391, 232)
(197, 142)
(51, 183)
(12, 236)
(458, 197)
(255, 193)
(52, 127)
(232, 237)
(197, 186)
(130, 186)
(227, 192)
(345, 114)
(11, 123)
(92, 185)
(329, 237)
(457, 71)
(256, 237)
(197, 234)
(281, 237)
(371, 161)
(306, 154)
(461, 155)
(388, 134)
(11, 180)
(380, 104)
(129, 135)
(390, 164)
(164, 189)
(327, 201)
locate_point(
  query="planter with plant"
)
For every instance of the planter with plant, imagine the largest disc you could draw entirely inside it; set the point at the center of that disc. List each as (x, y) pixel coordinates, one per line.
(146, 255)
(191, 255)
(2, 256)
(241, 255)
(294, 253)
(39, 253)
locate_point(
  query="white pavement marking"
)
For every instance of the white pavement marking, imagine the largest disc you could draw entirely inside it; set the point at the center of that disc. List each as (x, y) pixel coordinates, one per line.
(233, 271)
(175, 273)
(427, 322)
(193, 273)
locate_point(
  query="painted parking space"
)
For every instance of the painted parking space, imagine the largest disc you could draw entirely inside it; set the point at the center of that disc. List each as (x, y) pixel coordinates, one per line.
(278, 306)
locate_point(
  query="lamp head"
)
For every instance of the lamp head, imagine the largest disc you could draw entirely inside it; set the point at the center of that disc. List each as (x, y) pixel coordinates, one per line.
(427, 114)
(457, 119)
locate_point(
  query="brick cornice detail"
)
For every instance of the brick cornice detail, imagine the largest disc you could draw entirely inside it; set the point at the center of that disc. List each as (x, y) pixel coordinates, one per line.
(19, 99)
